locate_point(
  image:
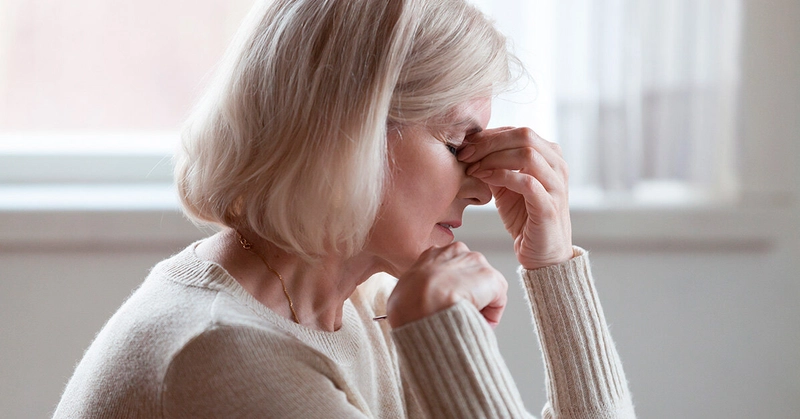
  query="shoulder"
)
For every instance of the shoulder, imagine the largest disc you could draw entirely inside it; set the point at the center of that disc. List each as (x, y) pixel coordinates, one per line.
(231, 370)
(122, 368)
(238, 350)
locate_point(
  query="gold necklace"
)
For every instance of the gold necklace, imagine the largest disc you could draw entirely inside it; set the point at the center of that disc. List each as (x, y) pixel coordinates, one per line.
(246, 245)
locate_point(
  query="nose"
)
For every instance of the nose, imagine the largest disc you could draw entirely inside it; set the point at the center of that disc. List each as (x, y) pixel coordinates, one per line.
(475, 191)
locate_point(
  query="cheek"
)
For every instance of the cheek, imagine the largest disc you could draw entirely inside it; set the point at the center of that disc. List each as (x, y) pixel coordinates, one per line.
(433, 189)
(425, 182)
(446, 177)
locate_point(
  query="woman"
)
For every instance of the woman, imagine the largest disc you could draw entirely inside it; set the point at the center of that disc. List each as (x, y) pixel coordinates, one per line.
(343, 139)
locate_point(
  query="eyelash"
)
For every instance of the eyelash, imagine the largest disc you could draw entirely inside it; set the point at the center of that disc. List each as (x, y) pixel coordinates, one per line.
(452, 148)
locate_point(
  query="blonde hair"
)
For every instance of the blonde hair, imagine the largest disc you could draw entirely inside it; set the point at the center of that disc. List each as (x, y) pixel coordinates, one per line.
(289, 141)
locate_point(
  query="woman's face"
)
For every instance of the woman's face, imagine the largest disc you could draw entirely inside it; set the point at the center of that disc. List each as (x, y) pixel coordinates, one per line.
(428, 188)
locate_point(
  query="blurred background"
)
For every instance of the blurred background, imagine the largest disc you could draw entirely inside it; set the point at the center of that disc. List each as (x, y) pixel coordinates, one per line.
(680, 120)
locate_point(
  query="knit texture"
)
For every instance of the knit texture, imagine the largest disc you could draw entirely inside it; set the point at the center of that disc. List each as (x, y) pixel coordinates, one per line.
(191, 342)
(584, 375)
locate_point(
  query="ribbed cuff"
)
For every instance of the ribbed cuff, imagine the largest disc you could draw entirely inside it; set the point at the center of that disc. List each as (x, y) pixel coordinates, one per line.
(584, 373)
(455, 366)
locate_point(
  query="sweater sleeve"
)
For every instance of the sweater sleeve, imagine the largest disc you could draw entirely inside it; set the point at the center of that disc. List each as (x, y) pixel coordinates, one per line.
(584, 375)
(456, 370)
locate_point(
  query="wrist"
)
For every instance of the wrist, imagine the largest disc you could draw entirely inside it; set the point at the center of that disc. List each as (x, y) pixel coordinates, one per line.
(564, 256)
(403, 311)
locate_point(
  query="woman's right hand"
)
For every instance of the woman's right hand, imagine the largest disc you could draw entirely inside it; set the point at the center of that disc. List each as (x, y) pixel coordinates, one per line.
(443, 276)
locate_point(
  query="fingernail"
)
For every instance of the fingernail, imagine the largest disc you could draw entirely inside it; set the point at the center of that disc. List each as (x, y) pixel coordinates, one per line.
(466, 152)
(483, 174)
(474, 168)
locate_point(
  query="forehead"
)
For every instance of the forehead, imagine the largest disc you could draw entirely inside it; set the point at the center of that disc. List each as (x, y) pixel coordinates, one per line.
(473, 114)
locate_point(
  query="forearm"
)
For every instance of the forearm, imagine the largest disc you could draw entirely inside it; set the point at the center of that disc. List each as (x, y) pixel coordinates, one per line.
(584, 376)
(455, 367)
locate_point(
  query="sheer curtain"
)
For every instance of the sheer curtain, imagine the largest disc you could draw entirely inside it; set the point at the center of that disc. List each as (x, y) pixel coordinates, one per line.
(641, 94)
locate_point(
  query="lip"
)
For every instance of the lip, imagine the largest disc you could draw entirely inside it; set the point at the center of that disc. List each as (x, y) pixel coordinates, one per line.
(445, 230)
(450, 224)
(447, 227)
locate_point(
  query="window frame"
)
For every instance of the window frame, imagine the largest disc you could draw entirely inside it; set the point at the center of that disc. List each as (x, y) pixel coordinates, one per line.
(765, 208)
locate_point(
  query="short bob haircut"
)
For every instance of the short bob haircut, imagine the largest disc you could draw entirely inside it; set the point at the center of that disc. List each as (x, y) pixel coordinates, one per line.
(290, 140)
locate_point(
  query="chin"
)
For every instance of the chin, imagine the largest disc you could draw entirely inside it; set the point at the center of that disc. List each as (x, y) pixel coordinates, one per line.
(402, 262)
(399, 261)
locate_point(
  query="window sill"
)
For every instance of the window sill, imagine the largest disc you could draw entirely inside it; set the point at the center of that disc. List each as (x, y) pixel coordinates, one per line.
(92, 216)
(146, 215)
(643, 228)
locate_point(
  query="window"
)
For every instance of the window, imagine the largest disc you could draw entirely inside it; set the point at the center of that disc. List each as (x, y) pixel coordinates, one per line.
(93, 92)
(641, 95)
(107, 65)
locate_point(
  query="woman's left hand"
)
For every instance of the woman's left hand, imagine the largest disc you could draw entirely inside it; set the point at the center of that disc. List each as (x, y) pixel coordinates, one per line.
(529, 181)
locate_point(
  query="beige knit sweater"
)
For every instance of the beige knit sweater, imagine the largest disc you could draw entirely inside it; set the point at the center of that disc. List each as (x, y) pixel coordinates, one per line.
(192, 343)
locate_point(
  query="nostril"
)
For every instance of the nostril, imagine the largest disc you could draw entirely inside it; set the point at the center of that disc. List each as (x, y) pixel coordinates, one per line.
(475, 191)
(483, 195)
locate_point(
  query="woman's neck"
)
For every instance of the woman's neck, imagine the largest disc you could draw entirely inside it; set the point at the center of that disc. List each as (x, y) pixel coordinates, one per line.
(316, 290)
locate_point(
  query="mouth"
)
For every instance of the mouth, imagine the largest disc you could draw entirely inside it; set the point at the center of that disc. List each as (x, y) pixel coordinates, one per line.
(449, 225)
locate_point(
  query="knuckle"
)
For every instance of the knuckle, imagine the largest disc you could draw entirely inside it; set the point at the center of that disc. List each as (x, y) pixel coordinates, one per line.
(529, 154)
(539, 159)
(564, 170)
(529, 183)
(431, 252)
(476, 257)
(503, 282)
(560, 167)
(528, 134)
(459, 246)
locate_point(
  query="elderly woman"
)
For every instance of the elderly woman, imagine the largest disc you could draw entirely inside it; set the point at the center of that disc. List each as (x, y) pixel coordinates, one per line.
(341, 141)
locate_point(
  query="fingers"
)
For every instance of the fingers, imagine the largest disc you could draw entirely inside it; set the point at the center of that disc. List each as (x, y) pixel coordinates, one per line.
(447, 252)
(443, 276)
(488, 141)
(515, 149)
(530, 187)
(524, 160)
(529, 180)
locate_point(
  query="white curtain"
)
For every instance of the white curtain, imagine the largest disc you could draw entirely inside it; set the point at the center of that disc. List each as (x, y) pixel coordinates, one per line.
(641, 94)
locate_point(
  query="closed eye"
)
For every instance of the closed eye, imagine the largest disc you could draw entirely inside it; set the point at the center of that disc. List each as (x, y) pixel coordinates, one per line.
(452, 148)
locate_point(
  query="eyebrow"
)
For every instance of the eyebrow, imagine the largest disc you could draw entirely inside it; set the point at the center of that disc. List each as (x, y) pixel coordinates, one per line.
(473, 127)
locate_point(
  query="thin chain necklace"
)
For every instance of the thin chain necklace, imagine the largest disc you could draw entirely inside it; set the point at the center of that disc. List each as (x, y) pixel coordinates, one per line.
(246, 245)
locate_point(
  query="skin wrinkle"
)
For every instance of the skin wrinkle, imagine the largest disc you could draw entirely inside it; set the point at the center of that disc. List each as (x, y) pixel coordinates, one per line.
(428, 186)
(348, 198)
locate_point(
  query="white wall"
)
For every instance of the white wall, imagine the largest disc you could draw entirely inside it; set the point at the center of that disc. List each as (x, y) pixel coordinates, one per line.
(703, 305)
(703, 332)
(706, 328)
(52, 303)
